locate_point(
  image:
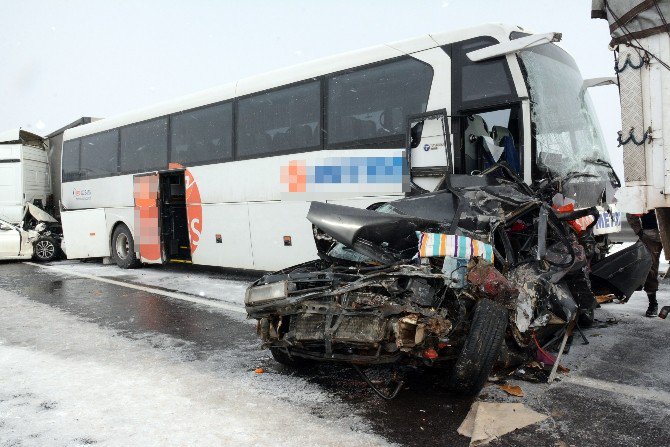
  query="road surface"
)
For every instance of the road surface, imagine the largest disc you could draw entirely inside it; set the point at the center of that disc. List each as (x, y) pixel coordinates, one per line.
(94, 355)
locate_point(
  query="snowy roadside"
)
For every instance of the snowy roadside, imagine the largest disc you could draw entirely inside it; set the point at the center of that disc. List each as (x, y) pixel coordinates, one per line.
(196, 282)
(64, 381)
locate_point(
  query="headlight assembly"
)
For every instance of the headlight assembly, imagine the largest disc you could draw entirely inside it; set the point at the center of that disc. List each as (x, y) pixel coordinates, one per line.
(269, 292)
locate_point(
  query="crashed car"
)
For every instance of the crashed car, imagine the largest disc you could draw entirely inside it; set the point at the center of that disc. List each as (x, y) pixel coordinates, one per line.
(449, 278)
(38, 237)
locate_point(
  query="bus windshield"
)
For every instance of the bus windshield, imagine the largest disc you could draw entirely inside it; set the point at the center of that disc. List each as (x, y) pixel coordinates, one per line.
(567, 133)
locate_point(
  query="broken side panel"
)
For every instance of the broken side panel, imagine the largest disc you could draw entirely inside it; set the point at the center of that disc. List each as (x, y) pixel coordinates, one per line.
(147, 223)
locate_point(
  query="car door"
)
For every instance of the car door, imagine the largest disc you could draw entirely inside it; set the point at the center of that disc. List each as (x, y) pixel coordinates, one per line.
(10, 240)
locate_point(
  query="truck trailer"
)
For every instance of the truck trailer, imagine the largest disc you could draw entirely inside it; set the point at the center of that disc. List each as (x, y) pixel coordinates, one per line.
(24, 174)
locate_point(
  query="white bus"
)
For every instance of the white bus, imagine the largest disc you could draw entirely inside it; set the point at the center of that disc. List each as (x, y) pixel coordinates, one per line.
(225, 177)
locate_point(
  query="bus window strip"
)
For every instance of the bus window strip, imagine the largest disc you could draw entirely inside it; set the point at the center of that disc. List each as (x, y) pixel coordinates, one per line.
(384, 142)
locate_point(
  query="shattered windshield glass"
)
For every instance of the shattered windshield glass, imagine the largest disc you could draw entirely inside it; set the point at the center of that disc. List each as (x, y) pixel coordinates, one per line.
(567, 133)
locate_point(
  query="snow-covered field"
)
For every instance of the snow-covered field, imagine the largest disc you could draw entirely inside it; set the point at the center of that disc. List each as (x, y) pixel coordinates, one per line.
(66, 382)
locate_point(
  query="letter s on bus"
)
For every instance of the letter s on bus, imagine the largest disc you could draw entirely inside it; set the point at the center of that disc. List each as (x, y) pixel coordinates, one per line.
(195, 233)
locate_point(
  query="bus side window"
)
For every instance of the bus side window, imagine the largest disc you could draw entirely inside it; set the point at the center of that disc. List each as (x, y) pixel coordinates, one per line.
(144, 146)
(367, 107)
(202, 136)
(279, 121)
(71, 160)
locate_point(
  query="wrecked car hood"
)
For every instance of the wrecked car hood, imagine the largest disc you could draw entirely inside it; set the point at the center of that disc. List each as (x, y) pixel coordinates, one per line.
(39, 214)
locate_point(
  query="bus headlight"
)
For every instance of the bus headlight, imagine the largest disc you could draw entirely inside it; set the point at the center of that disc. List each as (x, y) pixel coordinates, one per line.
(268, 292)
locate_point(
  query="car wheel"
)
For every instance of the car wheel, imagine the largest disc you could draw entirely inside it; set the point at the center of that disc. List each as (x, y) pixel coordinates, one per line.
(481, 349)
(123, 248)
(45, 249)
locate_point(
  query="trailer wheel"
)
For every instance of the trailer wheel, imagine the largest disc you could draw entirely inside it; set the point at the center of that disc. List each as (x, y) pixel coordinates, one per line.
(481, 349)
(45, 249)
(123, 248)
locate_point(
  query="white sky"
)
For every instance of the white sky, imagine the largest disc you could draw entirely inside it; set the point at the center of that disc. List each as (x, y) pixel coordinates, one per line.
(72, 58)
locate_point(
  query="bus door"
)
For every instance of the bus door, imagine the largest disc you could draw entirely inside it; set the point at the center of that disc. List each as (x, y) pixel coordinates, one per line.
(174, 222)
(146, 193)
(428, 150)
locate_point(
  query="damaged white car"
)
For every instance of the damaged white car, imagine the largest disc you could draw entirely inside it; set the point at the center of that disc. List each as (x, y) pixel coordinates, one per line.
(38, 237)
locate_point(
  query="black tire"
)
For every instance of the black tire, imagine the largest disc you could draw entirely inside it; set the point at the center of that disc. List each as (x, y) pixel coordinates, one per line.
(46, 249)
(282, 356)
(481, 349)
(123, 248)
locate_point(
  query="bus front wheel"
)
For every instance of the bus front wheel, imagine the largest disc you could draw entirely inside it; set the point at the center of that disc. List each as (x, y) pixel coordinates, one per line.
(123, 248)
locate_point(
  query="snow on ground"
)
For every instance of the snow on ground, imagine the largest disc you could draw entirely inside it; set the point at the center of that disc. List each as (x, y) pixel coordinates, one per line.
(190, 280)
(66, 382)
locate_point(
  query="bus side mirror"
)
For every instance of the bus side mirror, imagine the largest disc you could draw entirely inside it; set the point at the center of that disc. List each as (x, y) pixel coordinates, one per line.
(597, 82)
(513, 46)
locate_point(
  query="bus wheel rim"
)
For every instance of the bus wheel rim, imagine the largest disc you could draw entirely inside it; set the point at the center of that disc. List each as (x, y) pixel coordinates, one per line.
(122, 246)
(45, 249)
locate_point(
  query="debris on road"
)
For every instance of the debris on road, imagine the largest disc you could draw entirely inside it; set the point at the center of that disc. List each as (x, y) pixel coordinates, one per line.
(450, 278)
(512, 390)
(487, 421)
(603, 299)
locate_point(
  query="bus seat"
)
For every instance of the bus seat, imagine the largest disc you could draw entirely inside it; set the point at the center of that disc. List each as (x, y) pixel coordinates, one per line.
(476, 128)
(498, 132)
(281, 140)
(303, 136)
(511, 154)
(263, 140)
(368, 129)
(392, 120)
(349, 127)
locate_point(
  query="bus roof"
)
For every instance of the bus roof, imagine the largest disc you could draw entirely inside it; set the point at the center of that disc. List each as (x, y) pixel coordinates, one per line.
(293, 74)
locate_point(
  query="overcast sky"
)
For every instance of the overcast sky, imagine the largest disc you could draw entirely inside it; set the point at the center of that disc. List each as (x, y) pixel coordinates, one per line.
(61, 60)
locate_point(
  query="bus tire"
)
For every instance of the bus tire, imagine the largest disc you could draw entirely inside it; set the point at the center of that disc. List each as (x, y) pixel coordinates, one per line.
(481, 348)
(123, 248)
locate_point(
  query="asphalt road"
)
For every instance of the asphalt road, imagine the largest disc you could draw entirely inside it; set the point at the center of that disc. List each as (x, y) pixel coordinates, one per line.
(629, 361)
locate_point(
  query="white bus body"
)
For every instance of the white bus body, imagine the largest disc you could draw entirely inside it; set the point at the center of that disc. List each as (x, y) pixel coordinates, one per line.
(24, 173)
(233, 189)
